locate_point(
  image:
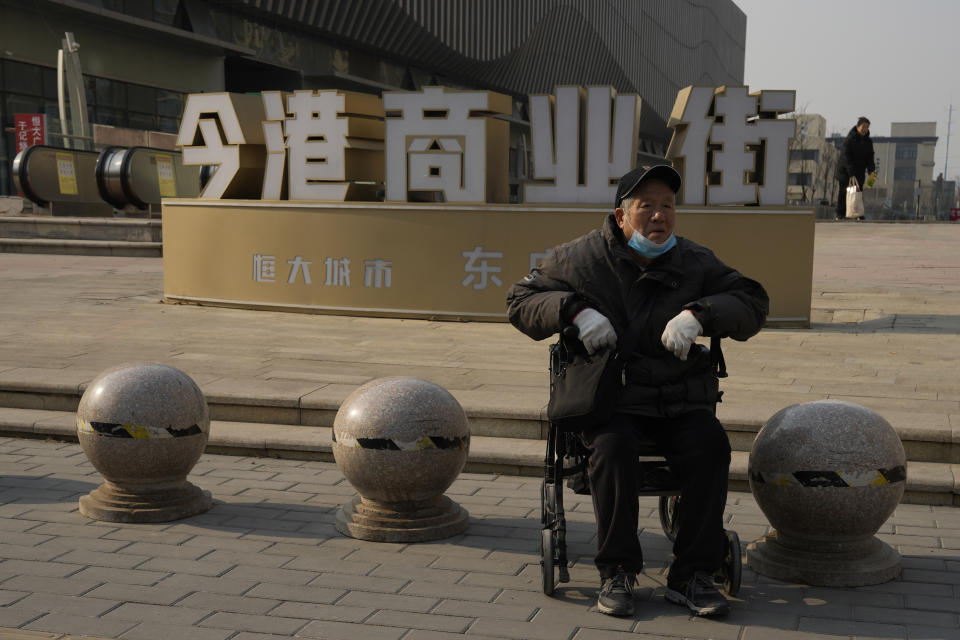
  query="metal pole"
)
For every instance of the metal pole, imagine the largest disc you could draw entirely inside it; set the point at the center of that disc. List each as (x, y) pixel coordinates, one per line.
(917, 213)
(62, 100)
(946, 158)
(75, 89)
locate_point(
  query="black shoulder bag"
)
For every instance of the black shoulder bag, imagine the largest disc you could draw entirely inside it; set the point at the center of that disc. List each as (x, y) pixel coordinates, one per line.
(584, 389)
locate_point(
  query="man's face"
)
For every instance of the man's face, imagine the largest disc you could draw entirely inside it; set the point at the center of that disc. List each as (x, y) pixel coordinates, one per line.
(650, 211)
(863, 128)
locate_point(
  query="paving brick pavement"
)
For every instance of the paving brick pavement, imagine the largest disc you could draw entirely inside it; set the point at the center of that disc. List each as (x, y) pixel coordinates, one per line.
(266, 566)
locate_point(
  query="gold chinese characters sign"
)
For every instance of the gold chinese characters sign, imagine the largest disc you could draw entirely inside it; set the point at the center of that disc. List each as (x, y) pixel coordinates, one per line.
(437, 261)
(337, 202)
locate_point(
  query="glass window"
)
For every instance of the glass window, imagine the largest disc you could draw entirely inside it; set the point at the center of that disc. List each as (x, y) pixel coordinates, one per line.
(5, 186)
(169, 103)
(906, 152)
(22, 78)
(89, 88)
(110, 93)
(51, 109)
(49, 82)
(138, 9)
(905, 173)
(141, 98)
(165, 11)
(420, 78)
(142, 121)
(22, 104)
(800, 179)
(392, 74)
(170, 125)
(805, 154)
(111, 116)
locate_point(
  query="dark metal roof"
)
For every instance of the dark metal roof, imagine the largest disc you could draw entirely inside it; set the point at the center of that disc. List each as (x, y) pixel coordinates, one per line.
(649, 47)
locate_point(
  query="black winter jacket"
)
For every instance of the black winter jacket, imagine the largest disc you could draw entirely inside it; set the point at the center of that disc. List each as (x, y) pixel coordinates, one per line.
(857, 157)
(598, 270)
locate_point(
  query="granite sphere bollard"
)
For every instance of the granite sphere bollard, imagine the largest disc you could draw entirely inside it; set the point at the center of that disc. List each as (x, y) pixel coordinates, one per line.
(143, 427)
(401, 442)
(827, 475)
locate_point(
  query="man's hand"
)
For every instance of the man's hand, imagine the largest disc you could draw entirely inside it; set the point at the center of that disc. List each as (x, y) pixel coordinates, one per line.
(680, 333)
(596, 332)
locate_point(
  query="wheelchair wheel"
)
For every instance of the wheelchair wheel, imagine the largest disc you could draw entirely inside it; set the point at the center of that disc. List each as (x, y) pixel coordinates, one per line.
(546, 560)
(670, 516)
(732, 565)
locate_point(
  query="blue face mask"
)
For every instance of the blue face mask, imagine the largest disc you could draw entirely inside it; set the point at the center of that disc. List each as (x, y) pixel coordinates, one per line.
(648, 248)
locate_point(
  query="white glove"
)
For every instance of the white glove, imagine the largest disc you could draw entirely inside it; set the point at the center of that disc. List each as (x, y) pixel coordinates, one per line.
(596, 332)
(680, 333)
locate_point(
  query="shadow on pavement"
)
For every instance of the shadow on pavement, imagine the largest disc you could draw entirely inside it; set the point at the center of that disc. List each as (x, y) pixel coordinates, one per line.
(42, 489)
(899, 323)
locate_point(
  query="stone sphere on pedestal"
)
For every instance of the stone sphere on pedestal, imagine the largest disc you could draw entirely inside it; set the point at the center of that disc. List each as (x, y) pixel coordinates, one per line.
(143, 427)
(827, 475)
(401, 442)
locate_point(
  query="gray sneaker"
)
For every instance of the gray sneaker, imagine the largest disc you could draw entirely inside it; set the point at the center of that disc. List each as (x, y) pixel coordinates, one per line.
(698, 594)
(616, 595)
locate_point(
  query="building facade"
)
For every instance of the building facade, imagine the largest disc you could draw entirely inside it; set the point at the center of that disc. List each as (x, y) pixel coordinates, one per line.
(812, 172)
(140, 58)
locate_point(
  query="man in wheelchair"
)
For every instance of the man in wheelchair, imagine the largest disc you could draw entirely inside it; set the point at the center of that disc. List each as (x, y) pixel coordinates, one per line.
(633, 285)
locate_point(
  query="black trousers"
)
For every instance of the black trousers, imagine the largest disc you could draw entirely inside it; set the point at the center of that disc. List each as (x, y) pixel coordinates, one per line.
(697, 448)
(842, 196)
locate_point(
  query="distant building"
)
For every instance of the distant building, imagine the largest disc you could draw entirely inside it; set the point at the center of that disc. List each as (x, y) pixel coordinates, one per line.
(811, 177)
(905, 187)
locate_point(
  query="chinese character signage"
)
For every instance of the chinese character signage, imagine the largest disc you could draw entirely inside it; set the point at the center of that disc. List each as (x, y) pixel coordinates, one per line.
(453, 261)
(608, 137)
(165, 177)
(286, 220)
(730, 146)
(450, 261)
(444, 145)
(66, 174)
(29, 129)
(226, 131)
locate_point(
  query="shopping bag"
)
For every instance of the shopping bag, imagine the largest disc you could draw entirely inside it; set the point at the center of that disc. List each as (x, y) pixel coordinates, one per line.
(854, 200)
(584, 390)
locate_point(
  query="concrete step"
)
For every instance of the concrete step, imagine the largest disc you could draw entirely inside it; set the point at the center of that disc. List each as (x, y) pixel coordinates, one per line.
(82, 247)
(64, 228)
(927, 482)
(236, 400)
(255, 401)
(129, 237)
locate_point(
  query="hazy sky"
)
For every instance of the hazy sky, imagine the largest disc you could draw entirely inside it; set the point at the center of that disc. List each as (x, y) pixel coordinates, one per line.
(889, 60)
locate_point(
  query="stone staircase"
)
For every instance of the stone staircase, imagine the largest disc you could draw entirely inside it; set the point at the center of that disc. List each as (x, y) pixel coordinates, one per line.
(509, 442)
(131, 237)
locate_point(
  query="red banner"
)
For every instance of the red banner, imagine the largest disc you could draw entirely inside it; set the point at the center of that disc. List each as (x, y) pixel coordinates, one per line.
(29, 129)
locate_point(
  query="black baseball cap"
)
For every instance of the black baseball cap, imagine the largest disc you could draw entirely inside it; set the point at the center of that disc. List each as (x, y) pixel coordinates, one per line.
(632, 179)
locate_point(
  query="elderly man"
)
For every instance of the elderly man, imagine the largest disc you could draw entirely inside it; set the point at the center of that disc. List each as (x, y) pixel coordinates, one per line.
(633, 281)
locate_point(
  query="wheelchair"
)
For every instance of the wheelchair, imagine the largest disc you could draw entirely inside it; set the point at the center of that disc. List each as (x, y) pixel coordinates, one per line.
(566, 459)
